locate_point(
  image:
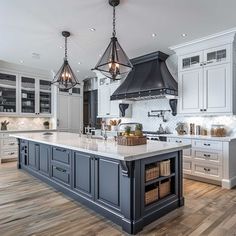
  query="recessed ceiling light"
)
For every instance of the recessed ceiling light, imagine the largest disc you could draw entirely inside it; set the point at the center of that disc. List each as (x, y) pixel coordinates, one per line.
(21, 61)
(77, 71)
(61, 47)
(92, 29)
(100, 55)
(79, 63)
(184, 35)
(154, 35)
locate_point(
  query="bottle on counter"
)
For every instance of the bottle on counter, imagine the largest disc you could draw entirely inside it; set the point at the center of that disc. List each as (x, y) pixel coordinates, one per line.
(161, 129)
(192, 129)
(198, 130)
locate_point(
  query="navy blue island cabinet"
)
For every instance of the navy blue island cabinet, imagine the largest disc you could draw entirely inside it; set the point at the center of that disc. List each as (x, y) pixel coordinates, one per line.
(130, 193)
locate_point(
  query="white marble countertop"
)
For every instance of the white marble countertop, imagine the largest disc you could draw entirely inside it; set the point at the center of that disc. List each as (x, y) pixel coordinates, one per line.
(107, 148)
(188, 136)
(32, 130)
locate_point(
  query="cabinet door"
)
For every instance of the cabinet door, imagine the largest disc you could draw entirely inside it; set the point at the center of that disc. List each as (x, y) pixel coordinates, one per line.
(75, 113)
(104, 101)
(191, 91)
(8, 94)
(217, 55)
(218, 90)
(83, 174)
(191, 61)
(33, 155)
(63, 111)
(45, 98)
(107, 190)
(114, 105)
(28, 96)
(44, 159)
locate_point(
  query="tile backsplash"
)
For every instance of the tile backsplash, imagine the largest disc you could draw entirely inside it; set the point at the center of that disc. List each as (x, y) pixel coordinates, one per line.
(21, 123)
(140, 111)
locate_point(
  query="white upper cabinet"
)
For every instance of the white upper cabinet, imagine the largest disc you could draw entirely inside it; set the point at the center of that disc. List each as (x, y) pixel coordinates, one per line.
(35, 97)
(206, 75)
(8, 94)
(217, 86)
(217, 55)
(190, 61)
(191, 91)
(106, 107)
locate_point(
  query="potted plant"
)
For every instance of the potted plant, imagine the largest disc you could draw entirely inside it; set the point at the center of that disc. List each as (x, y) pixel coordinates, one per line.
(139, 130)
(46, 124)
(127, 130)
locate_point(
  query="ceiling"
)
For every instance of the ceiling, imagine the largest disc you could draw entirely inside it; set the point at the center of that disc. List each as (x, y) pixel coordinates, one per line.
(35, 27)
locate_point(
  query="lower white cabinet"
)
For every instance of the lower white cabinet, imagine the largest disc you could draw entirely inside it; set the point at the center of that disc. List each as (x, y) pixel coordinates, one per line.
(69, 112)
(8, 148)
(205, 158)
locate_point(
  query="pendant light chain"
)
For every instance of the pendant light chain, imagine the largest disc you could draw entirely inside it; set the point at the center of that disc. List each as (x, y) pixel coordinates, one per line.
(114, 21)
(65, 48)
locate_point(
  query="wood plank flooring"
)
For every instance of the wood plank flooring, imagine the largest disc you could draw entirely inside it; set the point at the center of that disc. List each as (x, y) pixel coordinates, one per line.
(30, 207)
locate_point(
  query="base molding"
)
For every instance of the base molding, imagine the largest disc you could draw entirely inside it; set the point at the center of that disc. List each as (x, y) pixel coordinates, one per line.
(229, 183)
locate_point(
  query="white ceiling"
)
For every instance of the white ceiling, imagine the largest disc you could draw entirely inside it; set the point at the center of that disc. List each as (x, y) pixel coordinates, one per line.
(28, 27)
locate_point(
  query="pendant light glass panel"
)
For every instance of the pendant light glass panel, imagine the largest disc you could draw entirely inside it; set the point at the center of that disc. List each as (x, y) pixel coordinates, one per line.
(114, 63)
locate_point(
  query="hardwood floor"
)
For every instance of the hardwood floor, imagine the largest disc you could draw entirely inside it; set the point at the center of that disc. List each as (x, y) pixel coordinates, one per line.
(30, 207)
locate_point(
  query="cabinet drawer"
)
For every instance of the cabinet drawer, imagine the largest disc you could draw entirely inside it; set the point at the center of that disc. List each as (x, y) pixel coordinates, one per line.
(61, 174)
(215, 157)
(9, 143)
(4, 135)
(186, 152)
(207, 171)
(215, 145)
(61, 155)
(187, 167)
(9, 153)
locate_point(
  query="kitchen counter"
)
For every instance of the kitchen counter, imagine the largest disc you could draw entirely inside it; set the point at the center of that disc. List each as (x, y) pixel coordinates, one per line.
(113, 180)
(26, 131)
(108, 148)
(188, 136)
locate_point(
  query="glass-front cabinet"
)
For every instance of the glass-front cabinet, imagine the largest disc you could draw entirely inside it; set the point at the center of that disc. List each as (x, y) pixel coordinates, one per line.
(45, 97)
(28, 95)
(190, 61)
(36, 97)
(8, 94)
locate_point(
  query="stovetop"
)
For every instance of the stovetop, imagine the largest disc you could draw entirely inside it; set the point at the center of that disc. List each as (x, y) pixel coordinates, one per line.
(156, 136)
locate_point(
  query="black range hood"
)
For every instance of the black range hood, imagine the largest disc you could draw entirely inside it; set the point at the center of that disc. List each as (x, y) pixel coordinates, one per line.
(150, 78)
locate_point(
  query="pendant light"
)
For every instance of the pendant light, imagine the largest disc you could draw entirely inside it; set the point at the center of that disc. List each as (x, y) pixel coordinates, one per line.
(114, 63)
(65, 77)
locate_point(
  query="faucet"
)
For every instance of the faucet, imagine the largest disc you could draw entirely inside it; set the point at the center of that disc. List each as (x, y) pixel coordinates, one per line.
(104, 133)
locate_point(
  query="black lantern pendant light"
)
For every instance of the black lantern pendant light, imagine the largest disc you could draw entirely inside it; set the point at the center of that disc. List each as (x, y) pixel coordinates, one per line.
(65, 77)
(114, 63)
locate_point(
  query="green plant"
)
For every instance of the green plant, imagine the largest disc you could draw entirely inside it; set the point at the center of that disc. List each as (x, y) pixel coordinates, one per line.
(127, 130)
(139, 127)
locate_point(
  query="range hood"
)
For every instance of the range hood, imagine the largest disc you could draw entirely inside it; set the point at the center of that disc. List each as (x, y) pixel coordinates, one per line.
(149, 79)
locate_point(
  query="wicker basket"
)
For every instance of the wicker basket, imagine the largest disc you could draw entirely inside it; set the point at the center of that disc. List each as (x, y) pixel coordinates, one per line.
(165, 188)
(152, 172)
(151, 196)
(165, 168)
(131, 141)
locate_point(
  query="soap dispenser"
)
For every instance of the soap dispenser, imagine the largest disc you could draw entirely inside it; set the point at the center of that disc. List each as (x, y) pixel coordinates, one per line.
(160, 129)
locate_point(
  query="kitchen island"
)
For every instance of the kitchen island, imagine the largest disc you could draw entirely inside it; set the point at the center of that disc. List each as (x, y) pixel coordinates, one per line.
(130, 185)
